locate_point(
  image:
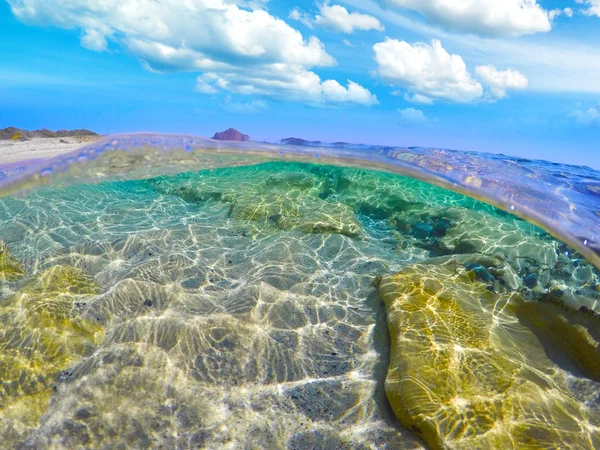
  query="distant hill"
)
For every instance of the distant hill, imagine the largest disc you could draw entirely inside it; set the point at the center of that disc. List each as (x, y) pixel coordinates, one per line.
(305, 143)
(231, 135)
(10, 132)
(299, 141)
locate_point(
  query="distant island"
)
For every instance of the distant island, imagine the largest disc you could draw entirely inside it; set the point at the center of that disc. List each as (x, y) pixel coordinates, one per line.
(231, 135)
(305, 143)
(18, 133)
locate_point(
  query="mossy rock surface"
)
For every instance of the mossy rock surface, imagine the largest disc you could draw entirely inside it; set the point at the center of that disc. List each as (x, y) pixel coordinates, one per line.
(41, 335)
(291, 198)
(10, 269)
(293, 211)
(465, 373)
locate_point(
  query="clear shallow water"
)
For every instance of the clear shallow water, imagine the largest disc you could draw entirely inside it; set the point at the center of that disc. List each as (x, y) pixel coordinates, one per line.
(184, 301)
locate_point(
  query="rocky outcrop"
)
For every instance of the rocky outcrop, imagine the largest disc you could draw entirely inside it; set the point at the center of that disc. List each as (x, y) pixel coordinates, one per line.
(230, 134)
(468, 369)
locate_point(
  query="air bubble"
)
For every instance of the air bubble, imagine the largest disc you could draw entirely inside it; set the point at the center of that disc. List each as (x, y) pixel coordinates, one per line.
(512, 207)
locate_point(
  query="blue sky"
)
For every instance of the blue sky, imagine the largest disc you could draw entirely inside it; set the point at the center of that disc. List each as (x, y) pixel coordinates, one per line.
(520, 77)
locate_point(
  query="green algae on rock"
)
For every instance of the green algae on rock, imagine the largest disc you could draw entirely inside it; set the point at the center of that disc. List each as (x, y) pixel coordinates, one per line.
(41, 335)
(466, 374)
(10, 269)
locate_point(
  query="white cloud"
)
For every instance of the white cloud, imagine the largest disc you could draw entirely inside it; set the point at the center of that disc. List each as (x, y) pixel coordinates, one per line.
(499, 81)
(428, 71)
(295, 14)
(242, 50)
(412, 116)
(568, 12)
(490, 17)
(553, 63)
(418, 98)
(292, 82)
(301, 16)
(593, 7)
(338, 18)
(252, 107)
(589, 117)
(94, 40)
(204, 87)
(348, 43)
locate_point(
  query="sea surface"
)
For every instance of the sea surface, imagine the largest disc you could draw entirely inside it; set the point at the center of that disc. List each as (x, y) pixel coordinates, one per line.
(166, 291)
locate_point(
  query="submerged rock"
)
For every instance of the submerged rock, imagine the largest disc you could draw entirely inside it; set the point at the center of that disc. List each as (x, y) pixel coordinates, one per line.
(480, 231)
(465, 373)
(290, 199)
(41, 335)
(565, 334)
(295, 212)
(10, 269)
(484, 264)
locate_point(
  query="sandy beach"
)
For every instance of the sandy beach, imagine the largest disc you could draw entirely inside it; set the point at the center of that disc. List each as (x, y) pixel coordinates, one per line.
(35, 148)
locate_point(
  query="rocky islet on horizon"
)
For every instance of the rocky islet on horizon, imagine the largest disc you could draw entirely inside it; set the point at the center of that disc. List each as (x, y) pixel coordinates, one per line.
(230, 134)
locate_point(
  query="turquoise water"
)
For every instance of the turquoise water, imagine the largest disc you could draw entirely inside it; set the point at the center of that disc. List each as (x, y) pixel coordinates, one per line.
(248, 305)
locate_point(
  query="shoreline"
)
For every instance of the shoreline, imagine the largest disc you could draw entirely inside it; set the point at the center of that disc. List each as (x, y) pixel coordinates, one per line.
(12, 152)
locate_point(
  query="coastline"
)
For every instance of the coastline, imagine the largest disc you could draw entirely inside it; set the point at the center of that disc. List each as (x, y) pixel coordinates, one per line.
(41, 148)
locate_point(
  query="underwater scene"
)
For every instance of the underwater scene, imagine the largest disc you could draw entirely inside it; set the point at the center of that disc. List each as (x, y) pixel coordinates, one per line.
(173, 292)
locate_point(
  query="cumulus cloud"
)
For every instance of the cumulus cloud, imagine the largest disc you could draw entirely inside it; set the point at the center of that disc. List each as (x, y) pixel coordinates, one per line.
(337, 18)
(592, 7)
(499, 81)
(589, 117)
(235, 45)
(489, 17)
(430, 73)
(293, 82)
(412, 116)
(427, 70)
